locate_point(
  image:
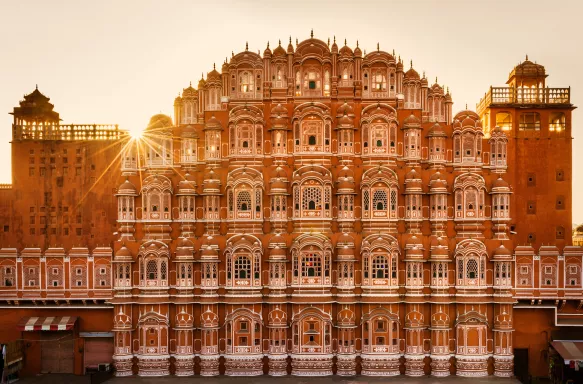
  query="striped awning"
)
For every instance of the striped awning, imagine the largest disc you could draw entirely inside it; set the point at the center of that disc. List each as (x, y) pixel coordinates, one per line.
(56, 323)
(570, 350)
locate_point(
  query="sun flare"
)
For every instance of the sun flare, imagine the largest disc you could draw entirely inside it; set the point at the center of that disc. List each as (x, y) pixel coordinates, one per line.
(136, 133)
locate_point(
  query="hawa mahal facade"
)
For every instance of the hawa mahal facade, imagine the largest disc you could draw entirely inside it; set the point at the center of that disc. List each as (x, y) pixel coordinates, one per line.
(312, 211)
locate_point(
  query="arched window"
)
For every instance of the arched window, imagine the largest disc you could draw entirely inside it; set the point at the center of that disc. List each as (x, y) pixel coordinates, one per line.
(189, 151)
(312, 135)
(244, 194)
(379, 80)
(312, 82)
(469, 197)
(379, 138)
(381, 207)
(246, 82)
(471, 271)
(380, 332)
(213, 145)
(468, 147)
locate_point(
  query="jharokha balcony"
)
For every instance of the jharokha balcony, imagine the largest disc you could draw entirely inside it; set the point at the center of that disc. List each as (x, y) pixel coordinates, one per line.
(524, 96)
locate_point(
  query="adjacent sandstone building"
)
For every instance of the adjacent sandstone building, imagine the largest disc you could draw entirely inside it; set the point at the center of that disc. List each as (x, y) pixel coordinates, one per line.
(312, 211)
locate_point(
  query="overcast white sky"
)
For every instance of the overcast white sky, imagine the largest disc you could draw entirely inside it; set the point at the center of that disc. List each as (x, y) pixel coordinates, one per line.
(123, 61)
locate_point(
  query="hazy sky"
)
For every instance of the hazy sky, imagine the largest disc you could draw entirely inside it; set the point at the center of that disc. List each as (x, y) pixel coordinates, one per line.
(123, 61)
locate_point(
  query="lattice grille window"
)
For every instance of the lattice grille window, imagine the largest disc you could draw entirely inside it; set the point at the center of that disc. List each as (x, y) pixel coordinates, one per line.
(393, 203)
(213, 143)
(102, 276)
(230, 200)
(380, 200)
(365, 201)
(573, 275)
(379, 138)
(471, 202)
(8, 277)
(243, 201)
(79, 278)
(242, 268)
(246, 82)
(472, 270)
(245, 139)
(468, 147)
(312, 135)
(311, 265)
(439, 274)
(279, 141)
(163, 270)
(414, 274)
(257, 201)
(55, 277)
(152, 270)
(524, 275)
(379, 80)
(31, 276)
(380, 267)
(312, 198)
(297, 200)
(549, 275)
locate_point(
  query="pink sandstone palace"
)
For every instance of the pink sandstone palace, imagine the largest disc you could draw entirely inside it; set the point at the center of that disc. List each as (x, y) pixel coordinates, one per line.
(315, 210)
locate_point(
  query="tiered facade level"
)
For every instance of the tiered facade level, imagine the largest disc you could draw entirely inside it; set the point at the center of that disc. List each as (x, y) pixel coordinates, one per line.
(312, 211)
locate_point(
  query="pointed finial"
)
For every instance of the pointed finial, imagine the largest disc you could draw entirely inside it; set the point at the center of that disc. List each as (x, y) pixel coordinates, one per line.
(365, 52)
(527, 56)
(328, 41)
(296, 41)
(290, 39)
(435, 79)
(280, 42)
(214, 66)
(466, 106)
(356, 43)
(202, 75)
(423, 74)
(411, 63)
(312, 33)
(393, 52)
(191, 83)
(378, 47)
(36, 86)
(232, 54)
(268, 44)
(334, 39)
(246, 46)
(344, 42)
